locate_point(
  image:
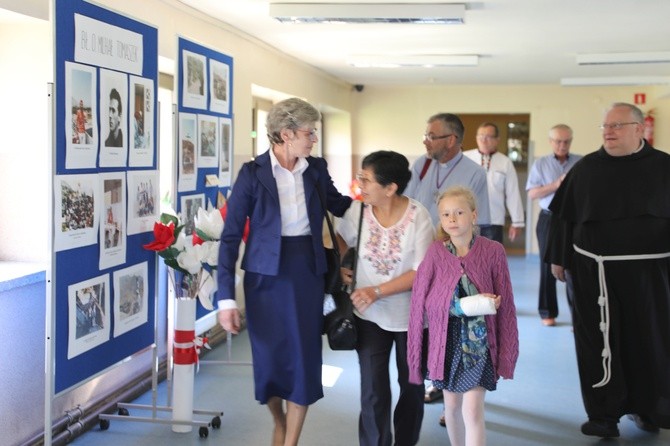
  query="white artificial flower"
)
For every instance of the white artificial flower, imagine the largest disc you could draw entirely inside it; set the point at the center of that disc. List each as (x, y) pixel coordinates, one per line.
(191, 259)
(210, 253)
(209, 222)
(180, 243)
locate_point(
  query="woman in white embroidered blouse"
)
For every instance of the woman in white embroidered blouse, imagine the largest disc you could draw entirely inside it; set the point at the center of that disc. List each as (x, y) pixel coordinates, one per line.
(396, 232)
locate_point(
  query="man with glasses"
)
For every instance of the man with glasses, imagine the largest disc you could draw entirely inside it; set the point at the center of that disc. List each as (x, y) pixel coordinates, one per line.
(611, 227)
(503, 184)
(545, 177)
(442, 166)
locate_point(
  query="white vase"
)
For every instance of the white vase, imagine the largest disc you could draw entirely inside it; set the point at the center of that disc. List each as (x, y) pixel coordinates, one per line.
(184, 360)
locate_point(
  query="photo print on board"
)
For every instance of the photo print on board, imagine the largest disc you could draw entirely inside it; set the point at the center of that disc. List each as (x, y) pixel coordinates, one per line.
(225, 151)
(112, 220)
(219, 87)
(208, 141)
(194, 87)
(76, 210)
(141, 114)
(143, 201)
(130, 298)
(113, 118)
(188, 162)
(81, 128)
(88, 315)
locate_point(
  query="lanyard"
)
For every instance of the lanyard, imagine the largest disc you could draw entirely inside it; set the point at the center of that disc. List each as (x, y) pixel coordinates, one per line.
(439, 183)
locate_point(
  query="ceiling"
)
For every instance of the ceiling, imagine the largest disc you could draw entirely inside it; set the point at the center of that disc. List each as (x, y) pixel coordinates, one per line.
(518, 41)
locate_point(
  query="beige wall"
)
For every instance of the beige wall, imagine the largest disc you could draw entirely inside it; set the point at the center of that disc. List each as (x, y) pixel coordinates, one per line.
(395, 118)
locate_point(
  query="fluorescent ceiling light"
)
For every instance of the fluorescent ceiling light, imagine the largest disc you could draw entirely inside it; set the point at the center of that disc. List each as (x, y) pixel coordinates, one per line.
(614, 81)
(623, 58)
(424, 61)
(422, 13)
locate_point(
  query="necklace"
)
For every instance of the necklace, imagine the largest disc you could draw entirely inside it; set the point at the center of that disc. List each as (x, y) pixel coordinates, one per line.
(486, 160)
(438, 183)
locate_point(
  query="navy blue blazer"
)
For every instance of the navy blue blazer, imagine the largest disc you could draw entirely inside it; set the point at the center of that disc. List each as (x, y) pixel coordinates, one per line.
(255, 195)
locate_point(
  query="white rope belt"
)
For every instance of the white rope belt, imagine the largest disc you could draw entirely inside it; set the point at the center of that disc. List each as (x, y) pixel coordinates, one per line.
(603, 301)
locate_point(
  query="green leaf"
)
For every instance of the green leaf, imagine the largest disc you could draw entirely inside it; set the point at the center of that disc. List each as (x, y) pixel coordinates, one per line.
(203, 236)
(167, 218)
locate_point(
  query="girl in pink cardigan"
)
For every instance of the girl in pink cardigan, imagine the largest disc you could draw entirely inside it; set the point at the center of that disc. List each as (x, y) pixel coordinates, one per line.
(468, 350)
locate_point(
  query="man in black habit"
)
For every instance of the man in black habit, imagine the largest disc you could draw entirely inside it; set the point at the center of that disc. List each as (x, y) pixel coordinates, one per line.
(611, 229)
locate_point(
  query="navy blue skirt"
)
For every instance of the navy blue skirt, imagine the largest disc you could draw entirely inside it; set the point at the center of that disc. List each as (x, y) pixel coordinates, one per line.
(284, 318)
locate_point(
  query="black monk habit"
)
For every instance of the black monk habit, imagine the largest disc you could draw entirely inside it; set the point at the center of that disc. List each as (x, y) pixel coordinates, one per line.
(619, 206)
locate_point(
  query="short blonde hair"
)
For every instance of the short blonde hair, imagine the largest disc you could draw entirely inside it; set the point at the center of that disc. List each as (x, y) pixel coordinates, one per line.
(455, 192)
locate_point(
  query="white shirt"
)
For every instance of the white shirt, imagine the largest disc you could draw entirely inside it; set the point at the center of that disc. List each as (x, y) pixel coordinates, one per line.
(291, 191)
(387, 253)
(503, 187)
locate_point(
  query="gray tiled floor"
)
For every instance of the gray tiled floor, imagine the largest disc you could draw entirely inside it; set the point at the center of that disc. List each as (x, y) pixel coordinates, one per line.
(541, 406)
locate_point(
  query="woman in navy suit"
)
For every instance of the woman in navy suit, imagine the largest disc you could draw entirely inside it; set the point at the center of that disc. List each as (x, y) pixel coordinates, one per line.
(284, 263)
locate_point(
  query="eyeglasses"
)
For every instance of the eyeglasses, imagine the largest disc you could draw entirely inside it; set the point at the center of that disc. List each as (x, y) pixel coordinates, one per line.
(310, 133)
(615, 125)
(432, 138)
(486, 137)
(561, 141)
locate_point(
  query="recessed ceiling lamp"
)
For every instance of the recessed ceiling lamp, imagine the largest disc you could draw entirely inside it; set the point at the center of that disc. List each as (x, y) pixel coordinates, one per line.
(623, 58)
(614, 81)
(422, 61)
(417, 13)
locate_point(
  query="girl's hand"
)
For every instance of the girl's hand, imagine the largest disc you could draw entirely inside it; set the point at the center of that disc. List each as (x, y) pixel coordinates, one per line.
(496, 299)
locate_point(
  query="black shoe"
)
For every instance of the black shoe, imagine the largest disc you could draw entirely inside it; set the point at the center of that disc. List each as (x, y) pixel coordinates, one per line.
(600, 428)
(643, 423)
(432, 394)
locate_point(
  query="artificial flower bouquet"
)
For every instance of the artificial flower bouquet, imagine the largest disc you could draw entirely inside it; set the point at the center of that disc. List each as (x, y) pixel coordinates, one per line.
(192, 265)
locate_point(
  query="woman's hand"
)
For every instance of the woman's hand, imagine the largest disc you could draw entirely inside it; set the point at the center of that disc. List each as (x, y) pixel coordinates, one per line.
(362, 298)
(230, 320)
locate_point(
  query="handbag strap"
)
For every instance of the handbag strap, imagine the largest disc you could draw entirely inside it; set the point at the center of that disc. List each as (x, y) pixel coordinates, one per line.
(358, 244)
(330, 224)
(334, 239)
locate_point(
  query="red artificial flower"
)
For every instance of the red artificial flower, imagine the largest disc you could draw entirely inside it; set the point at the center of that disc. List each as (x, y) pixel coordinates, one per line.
(163, 237)
(224, 212)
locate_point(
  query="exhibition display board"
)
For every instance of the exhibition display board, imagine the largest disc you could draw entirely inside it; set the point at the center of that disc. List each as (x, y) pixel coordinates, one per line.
(105, 191)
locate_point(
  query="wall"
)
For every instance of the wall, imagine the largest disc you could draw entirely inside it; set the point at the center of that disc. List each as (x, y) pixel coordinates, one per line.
(23, 152)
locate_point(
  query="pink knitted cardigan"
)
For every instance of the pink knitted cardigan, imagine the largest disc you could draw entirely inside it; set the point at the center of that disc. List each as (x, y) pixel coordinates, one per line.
(434, 285)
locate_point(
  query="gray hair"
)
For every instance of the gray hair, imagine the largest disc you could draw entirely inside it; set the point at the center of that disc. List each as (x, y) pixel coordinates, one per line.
(560, 127)
(638, 116)
(452, 123)
(291, 114)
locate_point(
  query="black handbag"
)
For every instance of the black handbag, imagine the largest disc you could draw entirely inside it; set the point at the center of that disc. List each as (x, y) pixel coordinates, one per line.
(339, 325)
